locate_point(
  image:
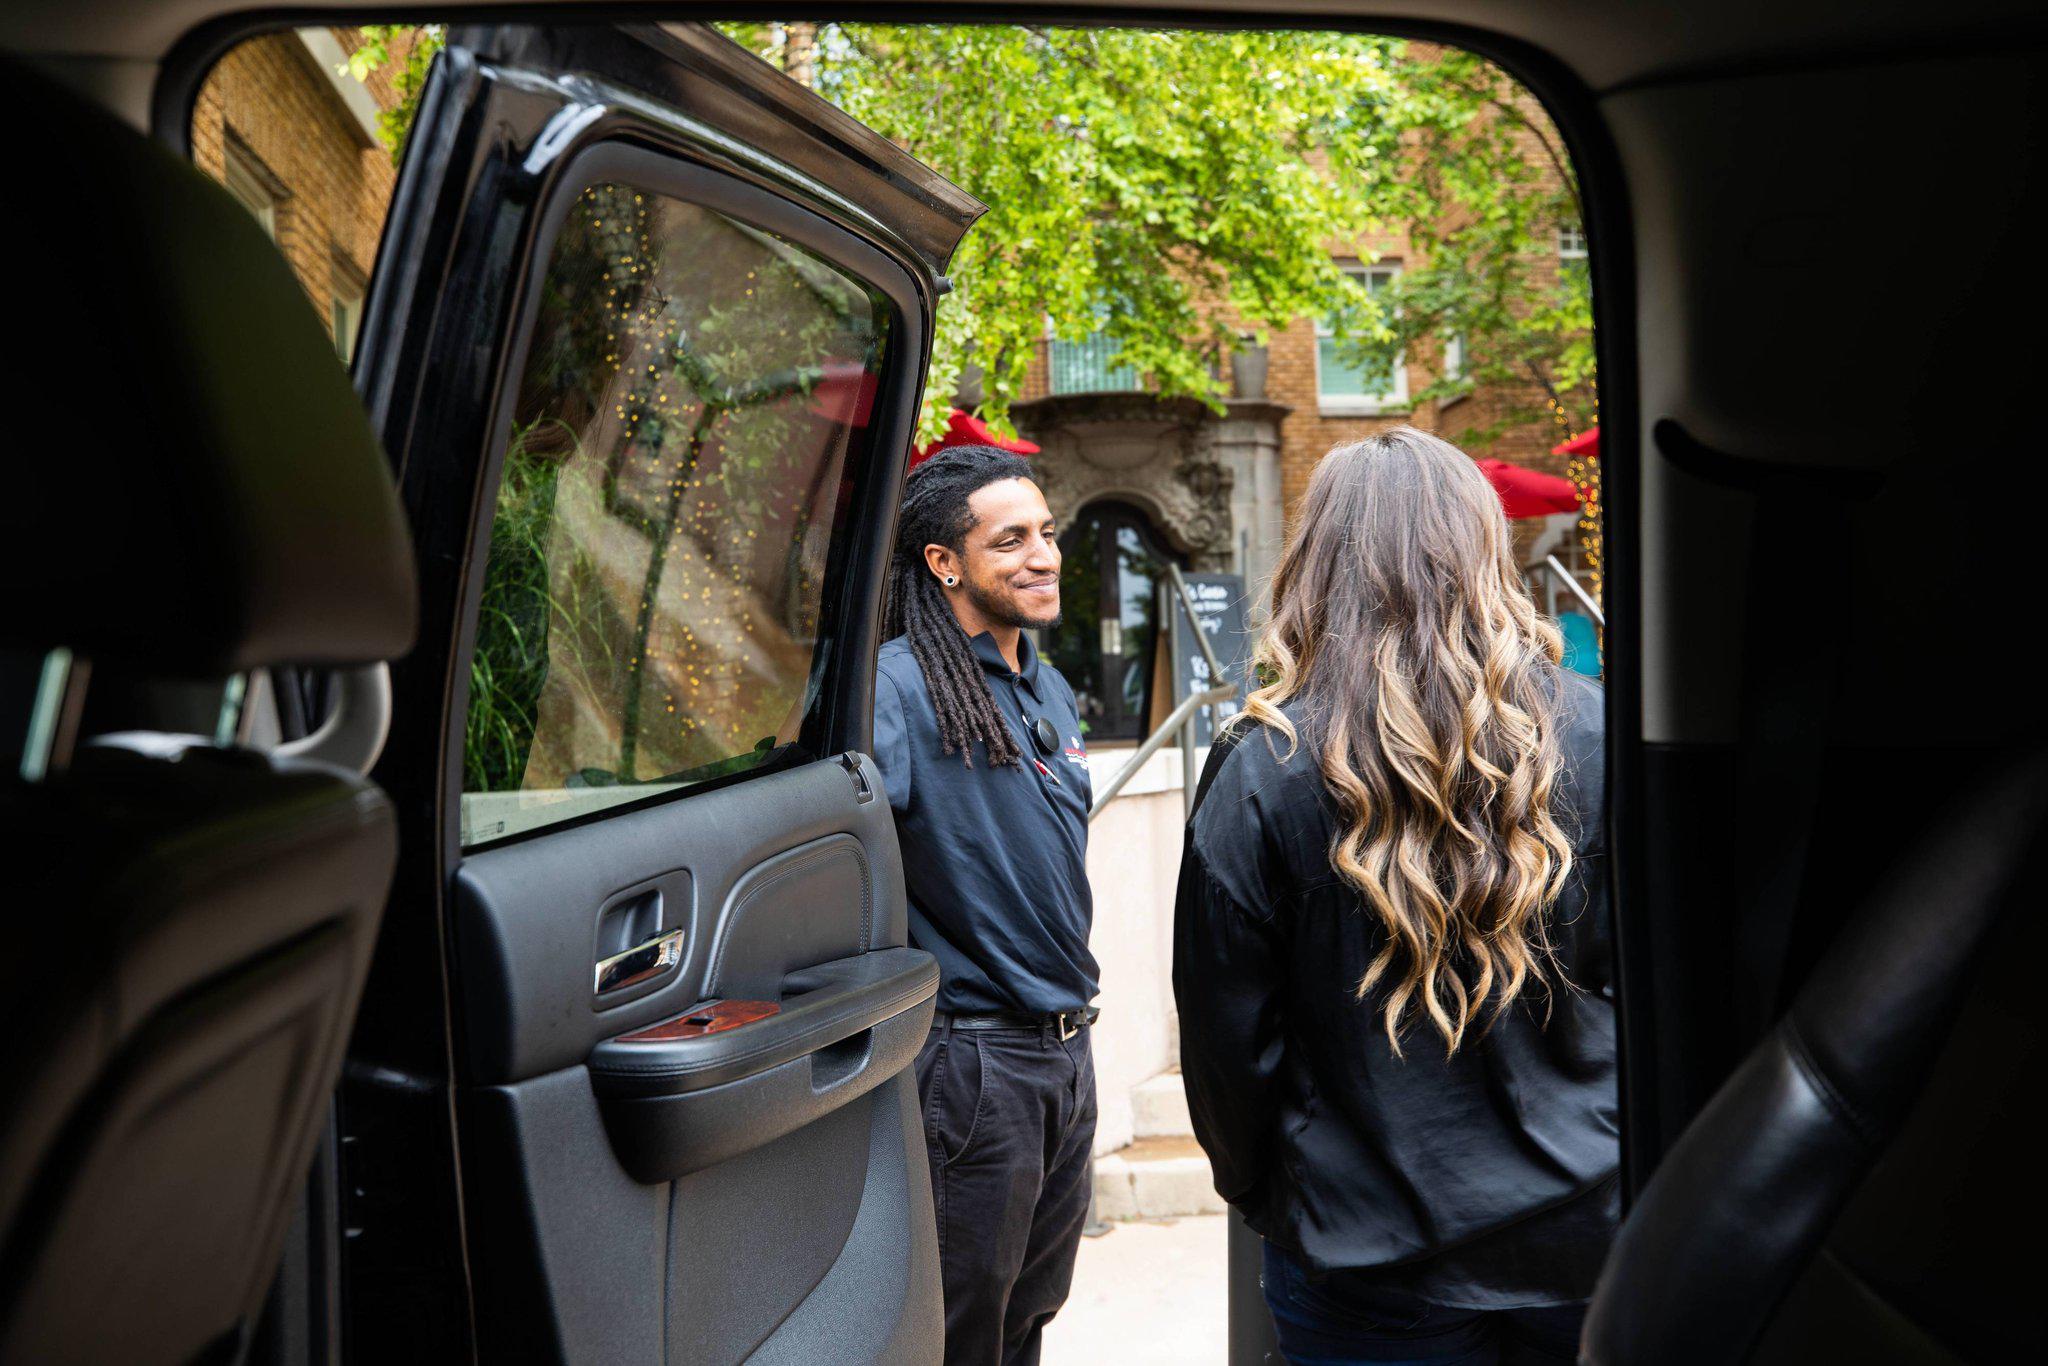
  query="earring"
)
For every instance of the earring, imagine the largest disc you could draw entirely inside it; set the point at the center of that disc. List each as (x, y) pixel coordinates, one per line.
(952, 579)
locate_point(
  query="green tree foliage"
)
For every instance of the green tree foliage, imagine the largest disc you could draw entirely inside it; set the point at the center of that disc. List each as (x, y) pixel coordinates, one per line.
(1488, 190)
(1171, 188)
(409, 53)
(1174, 189)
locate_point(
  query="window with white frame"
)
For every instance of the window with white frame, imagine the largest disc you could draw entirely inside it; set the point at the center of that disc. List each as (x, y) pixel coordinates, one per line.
(1090, 365)
(345, 310)
(247, 181)
(1342, 384)
(1572, 265)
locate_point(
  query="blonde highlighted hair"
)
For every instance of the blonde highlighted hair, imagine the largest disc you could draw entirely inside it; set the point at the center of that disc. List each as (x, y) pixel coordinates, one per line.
(1408, 643)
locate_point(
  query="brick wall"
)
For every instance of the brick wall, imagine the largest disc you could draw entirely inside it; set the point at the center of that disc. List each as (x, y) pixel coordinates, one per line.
(333, 185)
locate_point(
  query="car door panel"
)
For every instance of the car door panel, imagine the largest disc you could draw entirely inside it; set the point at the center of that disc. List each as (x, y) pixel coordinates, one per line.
(677, 1108)
(792, 897)
(778, 873)
(830, 1269)
(751, 1180)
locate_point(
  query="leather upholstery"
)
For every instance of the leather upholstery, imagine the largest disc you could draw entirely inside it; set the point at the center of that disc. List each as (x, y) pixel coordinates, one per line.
(1746, 1242)
(194, 485)
(188, 927)
(191, 938)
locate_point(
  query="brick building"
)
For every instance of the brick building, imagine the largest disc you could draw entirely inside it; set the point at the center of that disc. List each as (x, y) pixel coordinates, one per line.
(294, 137)
(1326, 402)
(1139, 480)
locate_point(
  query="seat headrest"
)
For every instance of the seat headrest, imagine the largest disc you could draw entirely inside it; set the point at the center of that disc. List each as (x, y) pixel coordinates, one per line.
(198, 490)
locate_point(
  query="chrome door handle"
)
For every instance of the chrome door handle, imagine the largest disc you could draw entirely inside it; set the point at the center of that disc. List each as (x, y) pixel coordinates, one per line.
(641, 963)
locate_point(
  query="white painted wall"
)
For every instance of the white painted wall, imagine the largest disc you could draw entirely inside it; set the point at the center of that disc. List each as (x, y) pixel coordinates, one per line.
(1133, 864)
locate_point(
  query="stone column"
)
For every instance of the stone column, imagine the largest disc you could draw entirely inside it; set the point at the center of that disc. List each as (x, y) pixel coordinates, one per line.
(1246, 441)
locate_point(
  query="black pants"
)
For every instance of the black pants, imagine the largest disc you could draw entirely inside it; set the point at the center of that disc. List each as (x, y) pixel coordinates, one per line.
(1345, 1320)
(1009, 1115)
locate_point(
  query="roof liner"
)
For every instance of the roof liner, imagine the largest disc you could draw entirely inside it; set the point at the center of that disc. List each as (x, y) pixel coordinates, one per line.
(1605, 42)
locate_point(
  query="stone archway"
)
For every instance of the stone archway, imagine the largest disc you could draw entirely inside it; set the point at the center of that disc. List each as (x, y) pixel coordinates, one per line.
(1140, 450)
(1210, 482)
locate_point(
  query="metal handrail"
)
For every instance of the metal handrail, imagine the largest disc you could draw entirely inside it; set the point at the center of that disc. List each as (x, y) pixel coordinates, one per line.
(1181, 716)
(1571, 583)
(1178, 717)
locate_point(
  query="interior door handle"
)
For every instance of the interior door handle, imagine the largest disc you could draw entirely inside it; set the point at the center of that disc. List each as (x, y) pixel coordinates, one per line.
(641, 963)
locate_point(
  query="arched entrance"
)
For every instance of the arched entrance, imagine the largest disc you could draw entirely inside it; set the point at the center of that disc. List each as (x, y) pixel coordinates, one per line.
(1208, 482)
(1107, 642)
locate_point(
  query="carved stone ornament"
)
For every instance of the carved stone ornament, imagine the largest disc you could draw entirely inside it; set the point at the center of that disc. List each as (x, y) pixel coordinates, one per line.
(1136, 449)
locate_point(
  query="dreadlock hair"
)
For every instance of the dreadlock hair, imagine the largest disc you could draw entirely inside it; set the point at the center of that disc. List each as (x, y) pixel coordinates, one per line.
(935, 512)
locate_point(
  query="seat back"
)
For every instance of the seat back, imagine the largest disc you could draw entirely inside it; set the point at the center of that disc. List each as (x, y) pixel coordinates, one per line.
(1845, 1196)
(188, 924)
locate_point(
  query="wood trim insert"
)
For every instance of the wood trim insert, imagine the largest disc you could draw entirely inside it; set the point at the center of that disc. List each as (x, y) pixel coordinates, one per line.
(708, 1017)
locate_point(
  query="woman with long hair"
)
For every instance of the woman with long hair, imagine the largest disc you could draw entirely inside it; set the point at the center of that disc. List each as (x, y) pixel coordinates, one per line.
(1391, 938)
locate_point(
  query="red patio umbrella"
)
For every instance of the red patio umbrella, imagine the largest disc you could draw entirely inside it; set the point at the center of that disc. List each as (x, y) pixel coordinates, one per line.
(845, 394)
(965, 429)
(1586, 443)
(1529, 493)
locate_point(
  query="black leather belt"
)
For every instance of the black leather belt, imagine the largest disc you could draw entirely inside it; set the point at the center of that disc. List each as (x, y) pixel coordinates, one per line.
(1065, 1023)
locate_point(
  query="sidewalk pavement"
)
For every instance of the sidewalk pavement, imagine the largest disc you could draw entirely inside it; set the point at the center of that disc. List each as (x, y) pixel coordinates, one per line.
(1147, 1291)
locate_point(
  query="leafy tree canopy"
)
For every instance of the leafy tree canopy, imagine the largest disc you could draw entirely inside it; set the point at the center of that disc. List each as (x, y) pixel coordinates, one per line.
(1174, 189)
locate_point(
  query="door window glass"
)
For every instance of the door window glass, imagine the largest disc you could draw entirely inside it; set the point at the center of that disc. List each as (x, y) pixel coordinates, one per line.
(651, 601)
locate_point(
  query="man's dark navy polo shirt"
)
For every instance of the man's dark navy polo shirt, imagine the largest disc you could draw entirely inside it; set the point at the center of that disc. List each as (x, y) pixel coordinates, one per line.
(995, 858)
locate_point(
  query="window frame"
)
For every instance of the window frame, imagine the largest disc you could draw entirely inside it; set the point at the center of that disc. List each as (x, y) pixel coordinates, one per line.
(346, 293)
(659, 170)
(1053, 341)
(1396, 399)
(1109, 513)
(1457, 368)
(244, 176)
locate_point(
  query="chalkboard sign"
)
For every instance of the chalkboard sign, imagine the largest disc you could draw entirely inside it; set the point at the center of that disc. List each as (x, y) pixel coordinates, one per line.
(1220, 613)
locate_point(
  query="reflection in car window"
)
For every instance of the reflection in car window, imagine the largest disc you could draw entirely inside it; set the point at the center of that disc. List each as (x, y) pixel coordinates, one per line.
(651, 599)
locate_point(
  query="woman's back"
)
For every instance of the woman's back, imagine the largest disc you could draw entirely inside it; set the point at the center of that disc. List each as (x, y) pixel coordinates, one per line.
(1365, 1158)
(1391, 941)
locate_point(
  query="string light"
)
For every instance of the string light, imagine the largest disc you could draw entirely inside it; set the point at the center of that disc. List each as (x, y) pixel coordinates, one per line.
(688, 470)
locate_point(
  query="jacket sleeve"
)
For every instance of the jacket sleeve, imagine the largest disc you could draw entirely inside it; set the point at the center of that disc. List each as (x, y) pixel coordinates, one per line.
(1228, 979)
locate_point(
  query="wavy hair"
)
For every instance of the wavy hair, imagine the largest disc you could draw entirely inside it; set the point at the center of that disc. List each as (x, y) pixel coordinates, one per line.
(1409, 648)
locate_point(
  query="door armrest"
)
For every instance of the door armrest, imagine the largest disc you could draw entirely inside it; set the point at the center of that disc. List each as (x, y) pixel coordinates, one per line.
(677, 1105)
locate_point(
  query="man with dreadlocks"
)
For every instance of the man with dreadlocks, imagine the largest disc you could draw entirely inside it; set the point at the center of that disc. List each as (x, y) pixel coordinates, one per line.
(979, 744)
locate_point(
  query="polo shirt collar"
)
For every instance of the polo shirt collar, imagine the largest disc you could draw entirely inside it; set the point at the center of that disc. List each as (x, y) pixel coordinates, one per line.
(985, 650)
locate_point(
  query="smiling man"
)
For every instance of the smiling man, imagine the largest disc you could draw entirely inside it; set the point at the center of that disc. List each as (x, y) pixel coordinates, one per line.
(980, 747)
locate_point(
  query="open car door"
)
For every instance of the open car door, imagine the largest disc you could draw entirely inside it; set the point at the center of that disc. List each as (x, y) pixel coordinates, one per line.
(632, 1079)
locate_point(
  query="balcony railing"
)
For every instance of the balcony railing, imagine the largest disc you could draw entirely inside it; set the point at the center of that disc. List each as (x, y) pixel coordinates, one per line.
(1089, 367)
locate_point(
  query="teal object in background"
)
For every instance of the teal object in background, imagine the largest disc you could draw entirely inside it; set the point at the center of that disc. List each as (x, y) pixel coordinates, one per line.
(1581, 643)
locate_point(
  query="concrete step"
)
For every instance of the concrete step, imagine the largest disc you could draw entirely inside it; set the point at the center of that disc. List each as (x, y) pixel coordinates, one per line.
(1155, 1178)
(1159, 1108)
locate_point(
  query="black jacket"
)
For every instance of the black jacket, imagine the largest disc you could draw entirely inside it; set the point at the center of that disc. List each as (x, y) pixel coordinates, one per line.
(1485, 1180)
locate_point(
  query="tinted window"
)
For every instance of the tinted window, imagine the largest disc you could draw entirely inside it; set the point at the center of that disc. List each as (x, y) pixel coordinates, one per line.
(651, 600)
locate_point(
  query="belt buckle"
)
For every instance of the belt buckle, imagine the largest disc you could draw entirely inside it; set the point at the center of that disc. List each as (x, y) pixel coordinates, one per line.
(1067, 1031)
